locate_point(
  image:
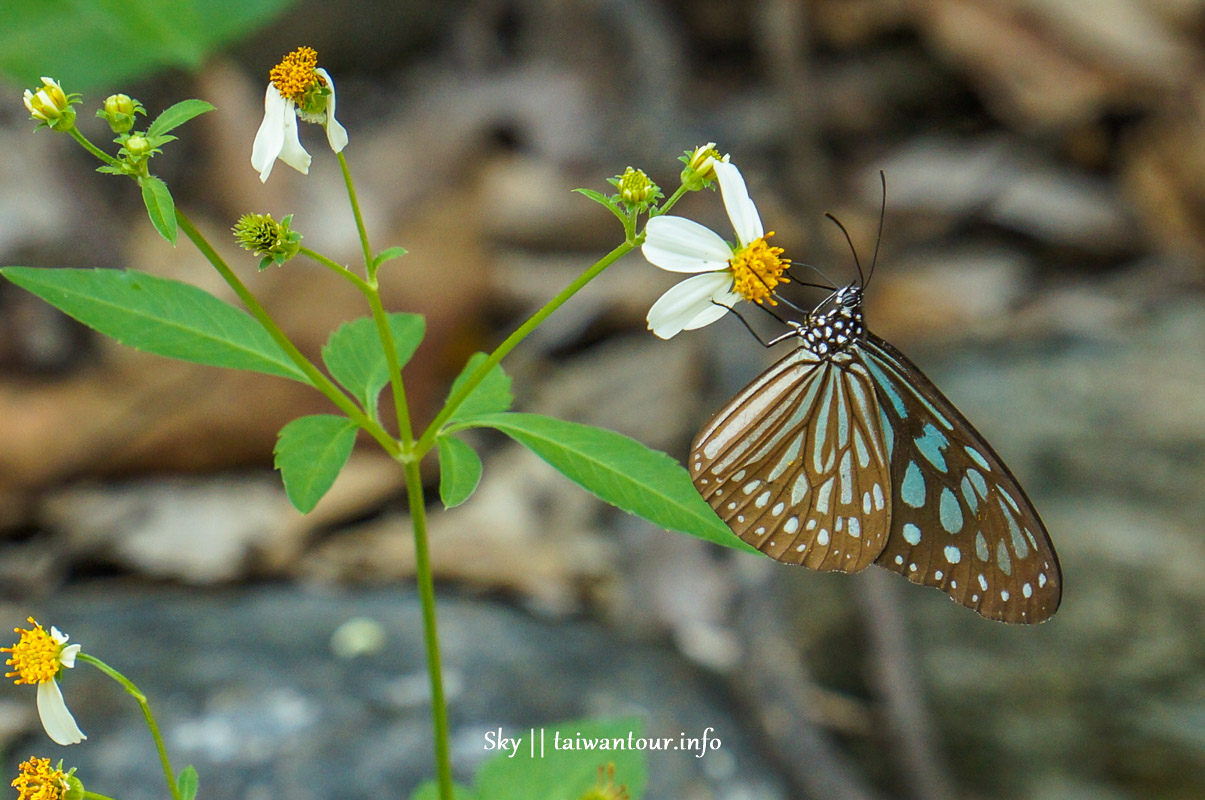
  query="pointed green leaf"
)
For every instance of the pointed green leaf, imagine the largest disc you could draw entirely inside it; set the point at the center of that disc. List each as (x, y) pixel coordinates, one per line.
(459, 471)
(387, 254)
(606, 202)
(557, 773)
(356, 359)
(175, 116)
(187, 783)
(618, 469)
(160, 207)
(158, 315)
(491, 395)
(310, 452)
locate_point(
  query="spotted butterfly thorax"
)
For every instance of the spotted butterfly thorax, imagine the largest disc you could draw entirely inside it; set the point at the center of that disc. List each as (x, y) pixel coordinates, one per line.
(843, 454)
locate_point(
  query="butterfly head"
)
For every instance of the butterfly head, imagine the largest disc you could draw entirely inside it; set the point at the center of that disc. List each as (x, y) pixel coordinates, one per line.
(836, 323)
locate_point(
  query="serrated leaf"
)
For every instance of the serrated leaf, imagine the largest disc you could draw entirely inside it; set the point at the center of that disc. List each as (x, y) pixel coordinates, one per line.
(174, 116)
(148, 35)
(491, 395)
(554, 773)
(158, 315)
(310, 452)
(187, 783)
(387, 254)
(459, 470)
(430, 791)
(617, 469)
(160, 207)
(355, 358)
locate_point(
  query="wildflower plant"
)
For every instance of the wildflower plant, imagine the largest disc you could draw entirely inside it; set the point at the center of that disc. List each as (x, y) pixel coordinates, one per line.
(364, 356)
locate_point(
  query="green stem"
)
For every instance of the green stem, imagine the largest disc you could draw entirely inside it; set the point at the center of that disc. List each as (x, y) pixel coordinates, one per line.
(93, 149)
(137, 694)
(355, 210)
(373, 294)
(426, 592)
(426, 441)
(317, 379)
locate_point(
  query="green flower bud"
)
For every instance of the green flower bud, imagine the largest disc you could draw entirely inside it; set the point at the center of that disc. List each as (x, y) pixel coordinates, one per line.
(274, 242)
(636, 190)
(119, 111)
(51, 106)
(700, 170)
(137, 146)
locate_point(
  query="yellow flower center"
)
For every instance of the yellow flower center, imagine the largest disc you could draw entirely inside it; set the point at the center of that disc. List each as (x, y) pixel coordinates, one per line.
(38, 781)
(757, 269)
(295, 75)
(35, 657)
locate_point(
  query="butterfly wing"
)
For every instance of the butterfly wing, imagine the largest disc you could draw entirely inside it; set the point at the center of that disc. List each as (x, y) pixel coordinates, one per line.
(797, 464)
(959, 519)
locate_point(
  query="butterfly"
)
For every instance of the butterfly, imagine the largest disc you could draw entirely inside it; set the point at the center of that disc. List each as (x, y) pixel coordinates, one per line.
(843, 454)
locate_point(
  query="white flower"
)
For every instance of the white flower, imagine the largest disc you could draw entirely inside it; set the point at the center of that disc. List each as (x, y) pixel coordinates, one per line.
(38, 657)
(298, 89)
(748, 271)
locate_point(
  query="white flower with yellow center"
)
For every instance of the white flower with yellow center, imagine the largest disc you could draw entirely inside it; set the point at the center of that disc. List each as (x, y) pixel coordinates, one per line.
(747, 271)
(297, 89)
(38, 658)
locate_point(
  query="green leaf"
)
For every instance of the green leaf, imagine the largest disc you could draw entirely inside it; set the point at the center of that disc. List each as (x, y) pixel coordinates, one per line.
(557, 774)
(618, 469)
(187, 783)
(175, 116)
(430, 791)
(160, 206)
(606, 202)
(459, 471)
(356, 359)
(491, 395)
(160, 316)
(76, 41)
(310, 452)
(386, 254)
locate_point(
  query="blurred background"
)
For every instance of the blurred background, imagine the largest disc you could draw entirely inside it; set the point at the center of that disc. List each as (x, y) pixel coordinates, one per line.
(1042, 260)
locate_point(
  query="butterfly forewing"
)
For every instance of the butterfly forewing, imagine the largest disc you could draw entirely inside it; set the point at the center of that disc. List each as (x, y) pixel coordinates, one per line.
(959, 519)
(797, 464)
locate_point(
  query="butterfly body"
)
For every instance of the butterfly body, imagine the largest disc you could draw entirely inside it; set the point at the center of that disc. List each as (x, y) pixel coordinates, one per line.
(843, 454)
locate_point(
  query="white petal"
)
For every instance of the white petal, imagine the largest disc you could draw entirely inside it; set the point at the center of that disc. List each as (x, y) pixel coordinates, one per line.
(58, 635)
(727, 300)
(67, 657)
(678, 244)
(742, 212)
(687, 302)
(336, 134)
(270, 137)
(56, 719)
(293, 153)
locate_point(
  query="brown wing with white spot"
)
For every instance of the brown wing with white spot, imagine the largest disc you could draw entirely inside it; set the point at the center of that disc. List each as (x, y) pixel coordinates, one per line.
(959, 519)
(797, 464)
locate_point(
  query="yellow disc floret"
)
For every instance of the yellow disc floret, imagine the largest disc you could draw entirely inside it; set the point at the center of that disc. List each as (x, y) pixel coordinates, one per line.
(35, 657)
(37, 780)
(295, 74)
(757, 269)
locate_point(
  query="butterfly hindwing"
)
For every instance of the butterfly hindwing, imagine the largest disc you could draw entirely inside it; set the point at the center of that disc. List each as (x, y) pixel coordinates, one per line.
(959, 519)
(797, 464)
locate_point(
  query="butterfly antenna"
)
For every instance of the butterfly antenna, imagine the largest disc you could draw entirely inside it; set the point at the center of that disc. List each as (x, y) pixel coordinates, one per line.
(879, 237)
(749, 327)
(852, 249)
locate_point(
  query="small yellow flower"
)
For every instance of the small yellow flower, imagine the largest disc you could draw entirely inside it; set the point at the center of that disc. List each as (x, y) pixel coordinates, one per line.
(37, 780)
(297, 89)
(727, 274)
(700, 166)
(38, 658)
(51, 106)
